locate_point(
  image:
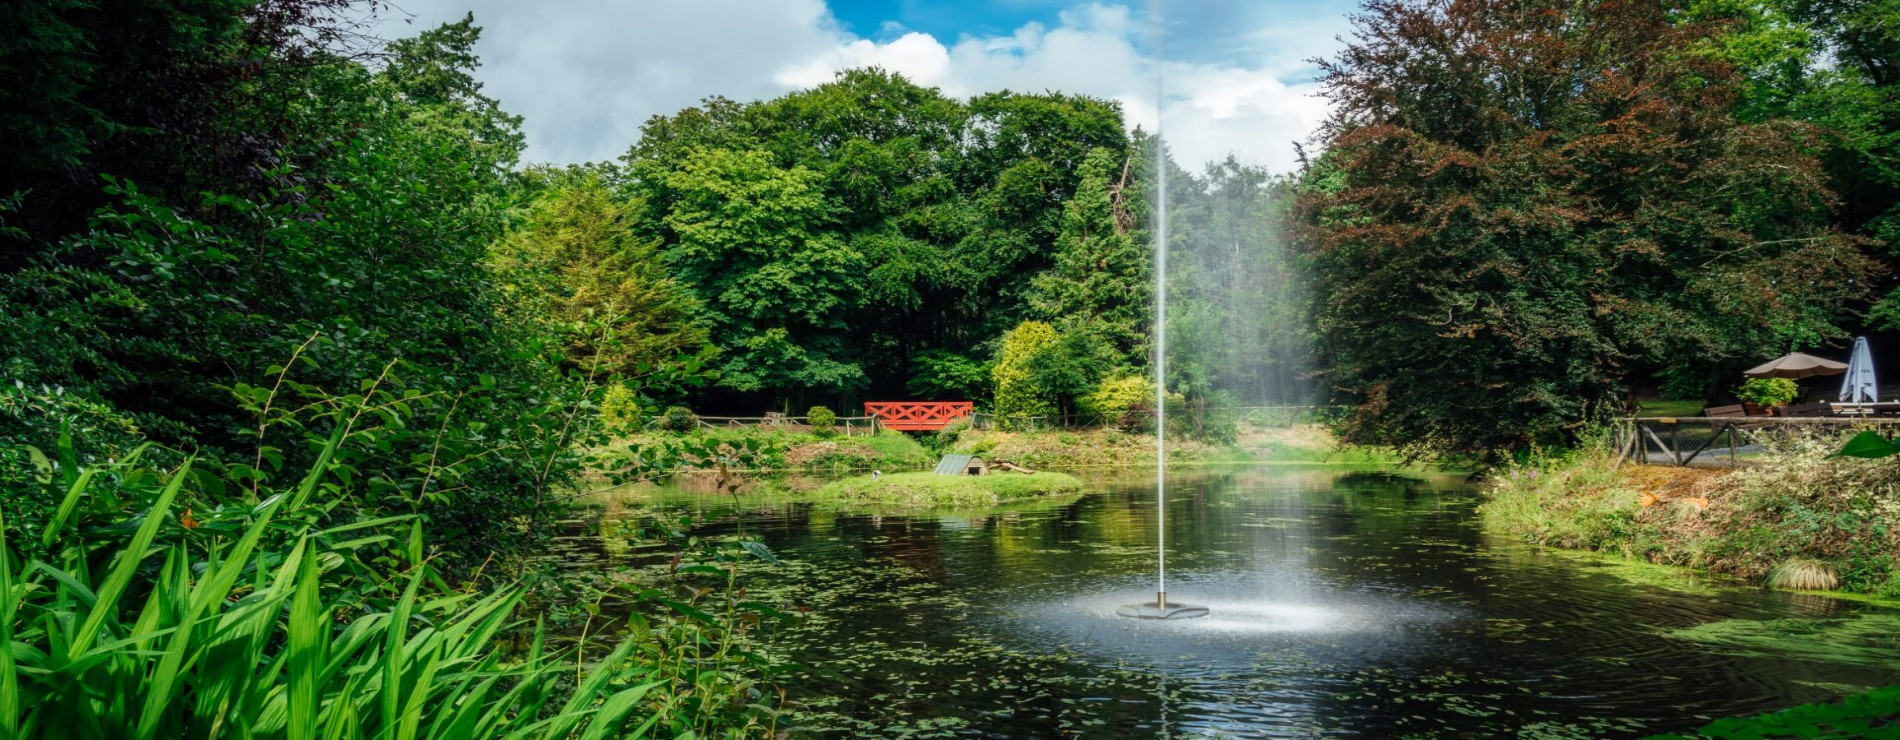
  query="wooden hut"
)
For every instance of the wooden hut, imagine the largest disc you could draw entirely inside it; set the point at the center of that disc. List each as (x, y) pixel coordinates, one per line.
(963, 465)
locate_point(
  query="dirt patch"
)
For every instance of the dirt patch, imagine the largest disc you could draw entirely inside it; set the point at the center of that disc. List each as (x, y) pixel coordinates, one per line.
(821, 454)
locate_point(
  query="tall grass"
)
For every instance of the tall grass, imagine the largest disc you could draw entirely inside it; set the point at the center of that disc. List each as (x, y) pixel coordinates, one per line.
(257, 622)
(1797, 518)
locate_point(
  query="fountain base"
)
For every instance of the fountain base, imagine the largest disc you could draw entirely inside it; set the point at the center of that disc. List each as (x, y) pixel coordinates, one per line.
(1161, 608)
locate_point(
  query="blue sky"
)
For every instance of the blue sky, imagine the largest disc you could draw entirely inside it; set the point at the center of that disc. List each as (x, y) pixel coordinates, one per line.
(587, 73)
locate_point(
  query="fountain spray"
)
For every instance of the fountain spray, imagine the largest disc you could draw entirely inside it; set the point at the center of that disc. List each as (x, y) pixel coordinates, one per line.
(1161, 608)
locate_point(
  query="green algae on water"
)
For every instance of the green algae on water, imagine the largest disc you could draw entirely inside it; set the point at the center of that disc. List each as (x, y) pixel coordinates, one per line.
(1866, 639)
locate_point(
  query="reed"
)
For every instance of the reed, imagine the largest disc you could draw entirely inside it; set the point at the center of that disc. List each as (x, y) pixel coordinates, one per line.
(260, 632)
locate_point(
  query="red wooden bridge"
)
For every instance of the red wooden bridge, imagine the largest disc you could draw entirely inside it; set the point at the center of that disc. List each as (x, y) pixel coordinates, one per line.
(918, 416)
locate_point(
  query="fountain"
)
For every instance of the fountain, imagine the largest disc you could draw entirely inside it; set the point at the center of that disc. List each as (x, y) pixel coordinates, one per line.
(1161, 607)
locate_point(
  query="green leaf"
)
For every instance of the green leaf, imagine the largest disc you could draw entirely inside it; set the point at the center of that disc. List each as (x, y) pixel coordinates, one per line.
(1868, 445)
(760, 551)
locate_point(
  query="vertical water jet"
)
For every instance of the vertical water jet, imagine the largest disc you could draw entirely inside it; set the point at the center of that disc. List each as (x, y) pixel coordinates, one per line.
(1161, 608)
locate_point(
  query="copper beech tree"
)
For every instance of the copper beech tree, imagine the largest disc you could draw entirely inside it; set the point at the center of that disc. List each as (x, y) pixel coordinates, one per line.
(1525, 205)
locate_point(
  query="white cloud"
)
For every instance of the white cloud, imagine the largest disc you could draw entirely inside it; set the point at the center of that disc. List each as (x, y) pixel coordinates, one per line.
(1211, 109)
(587, 73)
(915, 55)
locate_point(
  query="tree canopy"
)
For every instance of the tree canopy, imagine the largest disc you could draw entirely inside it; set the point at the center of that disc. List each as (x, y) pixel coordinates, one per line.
(1523, 208)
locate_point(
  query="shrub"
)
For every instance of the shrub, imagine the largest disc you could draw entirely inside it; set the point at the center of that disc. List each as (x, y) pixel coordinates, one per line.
(1123, 402)
(1018, 392)
(619, 409)
(1803, 574)
(1767, 391)
(680, 419)
(823, 421)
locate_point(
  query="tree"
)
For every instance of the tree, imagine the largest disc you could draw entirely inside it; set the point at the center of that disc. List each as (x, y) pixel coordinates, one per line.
(1040, 372)
(1834, 64)
(775, 285)
(952, 207)
(1524, 206)
(1018, 391)
(576, 263)
(1101, 281)
(1238, 320)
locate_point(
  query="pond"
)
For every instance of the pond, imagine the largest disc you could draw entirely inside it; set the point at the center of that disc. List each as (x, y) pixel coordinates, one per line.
(1344, 601)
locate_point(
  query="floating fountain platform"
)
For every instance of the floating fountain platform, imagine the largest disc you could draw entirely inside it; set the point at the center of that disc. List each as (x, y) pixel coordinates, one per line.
(1161, 608)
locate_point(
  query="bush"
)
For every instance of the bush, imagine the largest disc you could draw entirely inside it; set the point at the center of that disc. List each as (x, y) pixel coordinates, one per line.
(823, 421)
(1124, 402)
(679, 419)
(619, 410)
(1767, 391)
(1018, 392)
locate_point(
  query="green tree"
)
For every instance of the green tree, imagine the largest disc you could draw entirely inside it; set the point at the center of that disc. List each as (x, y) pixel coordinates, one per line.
(1041, 372)
(953, 206)
(1831, 63)
(752, 244)
(1524, 207)
(575, 262)
(1018, 392)
(1101, 281)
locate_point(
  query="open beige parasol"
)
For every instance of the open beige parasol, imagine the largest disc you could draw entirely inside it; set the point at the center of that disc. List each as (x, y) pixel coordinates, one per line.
(1796, 365)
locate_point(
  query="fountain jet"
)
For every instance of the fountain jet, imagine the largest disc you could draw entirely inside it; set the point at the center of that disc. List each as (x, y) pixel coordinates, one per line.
(1161, 608)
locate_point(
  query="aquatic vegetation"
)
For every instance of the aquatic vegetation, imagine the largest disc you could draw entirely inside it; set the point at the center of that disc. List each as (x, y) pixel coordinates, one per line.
(1871, 638)
(1874, 714)
(926, 490)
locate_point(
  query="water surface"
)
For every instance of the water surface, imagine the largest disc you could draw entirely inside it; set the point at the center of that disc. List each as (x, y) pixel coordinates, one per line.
(1345, 602)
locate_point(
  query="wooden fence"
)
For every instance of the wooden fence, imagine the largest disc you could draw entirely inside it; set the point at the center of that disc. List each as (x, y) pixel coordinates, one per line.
(1681, 441)
(852, 426)
(1257, 415)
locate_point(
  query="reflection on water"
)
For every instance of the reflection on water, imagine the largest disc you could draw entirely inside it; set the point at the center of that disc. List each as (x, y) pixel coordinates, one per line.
(1342, 602)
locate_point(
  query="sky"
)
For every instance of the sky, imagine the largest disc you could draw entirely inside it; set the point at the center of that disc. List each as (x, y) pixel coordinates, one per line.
(1236, 75)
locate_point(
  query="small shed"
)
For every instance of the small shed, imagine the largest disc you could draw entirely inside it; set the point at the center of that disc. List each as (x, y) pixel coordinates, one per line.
(963, 465)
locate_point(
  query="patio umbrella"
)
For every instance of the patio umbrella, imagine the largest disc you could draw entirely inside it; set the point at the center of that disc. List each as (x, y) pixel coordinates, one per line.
(1796, 365)
(1858, 387)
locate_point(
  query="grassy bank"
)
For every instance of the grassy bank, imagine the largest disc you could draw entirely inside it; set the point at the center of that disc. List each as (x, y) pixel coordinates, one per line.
(929, 490)
(1109, 447)
(1799, 520)
(804, 452)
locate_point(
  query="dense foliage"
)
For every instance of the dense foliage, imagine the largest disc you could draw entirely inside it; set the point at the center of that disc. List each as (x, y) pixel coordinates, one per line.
(1524, 208)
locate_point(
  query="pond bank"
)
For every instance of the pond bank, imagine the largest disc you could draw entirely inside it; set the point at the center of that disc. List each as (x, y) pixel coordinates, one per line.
(1799, 520)
(1086, 448)
(929, 490)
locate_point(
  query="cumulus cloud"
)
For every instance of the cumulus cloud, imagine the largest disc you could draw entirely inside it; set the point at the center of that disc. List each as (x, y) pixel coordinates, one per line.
(587, 74)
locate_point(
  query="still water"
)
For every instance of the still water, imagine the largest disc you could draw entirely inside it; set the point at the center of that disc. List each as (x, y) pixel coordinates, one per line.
(1344, 602)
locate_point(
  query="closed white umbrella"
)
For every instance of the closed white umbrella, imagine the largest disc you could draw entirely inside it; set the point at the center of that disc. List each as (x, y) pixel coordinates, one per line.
(1858, 386)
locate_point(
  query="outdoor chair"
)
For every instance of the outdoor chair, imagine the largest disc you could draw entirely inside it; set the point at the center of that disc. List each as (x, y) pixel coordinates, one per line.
(1724, 411)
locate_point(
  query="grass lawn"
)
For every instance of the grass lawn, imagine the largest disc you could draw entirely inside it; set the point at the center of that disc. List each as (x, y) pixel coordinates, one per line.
(1656, 408)
(928, 490)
